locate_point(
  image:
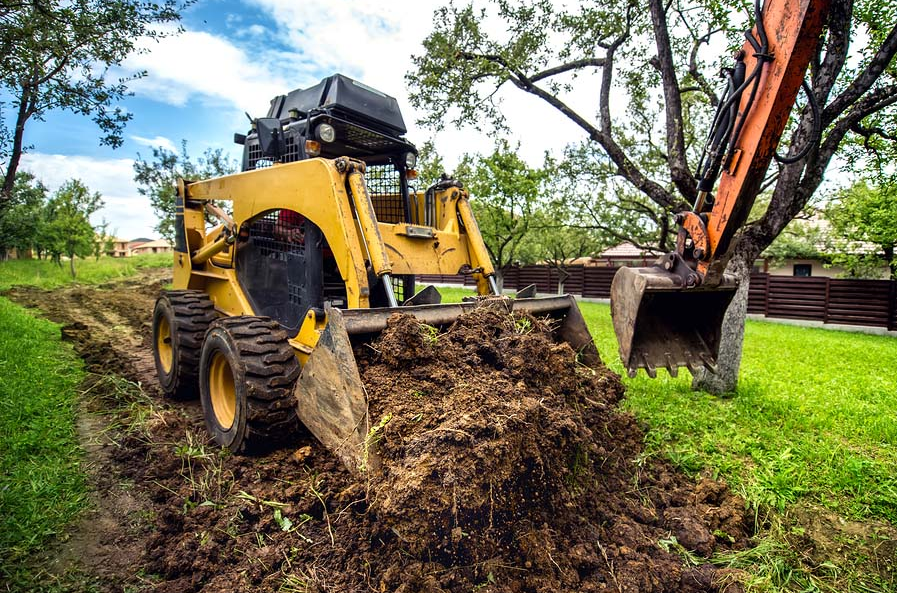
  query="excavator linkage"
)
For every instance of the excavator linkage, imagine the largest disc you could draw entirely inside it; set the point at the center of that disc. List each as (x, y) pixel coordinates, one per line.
(660, 324)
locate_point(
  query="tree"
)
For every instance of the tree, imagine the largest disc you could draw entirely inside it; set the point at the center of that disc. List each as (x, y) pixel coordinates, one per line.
(21, 220)
(799, 240)
(430, 166)
(545, 52)
(560, 235)
(505, 192)
(865, 214)
(157, 179)
(57, 55)
(68, 230)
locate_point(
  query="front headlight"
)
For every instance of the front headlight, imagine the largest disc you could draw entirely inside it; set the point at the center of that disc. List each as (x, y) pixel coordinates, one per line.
(410, 160)
(326, 133)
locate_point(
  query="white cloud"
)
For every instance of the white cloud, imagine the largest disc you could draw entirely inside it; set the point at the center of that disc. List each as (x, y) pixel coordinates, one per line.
(128, 213)
(196, 63)
(359, 39)
(156, 142)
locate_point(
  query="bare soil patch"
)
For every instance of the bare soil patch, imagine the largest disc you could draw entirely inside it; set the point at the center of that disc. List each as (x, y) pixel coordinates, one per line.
(507, 467)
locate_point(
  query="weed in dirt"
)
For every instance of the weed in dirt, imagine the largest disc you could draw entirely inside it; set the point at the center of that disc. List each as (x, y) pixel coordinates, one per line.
(203, 470)
(430, 333)
(42, 486)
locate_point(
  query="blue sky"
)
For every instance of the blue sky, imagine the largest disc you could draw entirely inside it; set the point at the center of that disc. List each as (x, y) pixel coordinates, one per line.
(233, 57)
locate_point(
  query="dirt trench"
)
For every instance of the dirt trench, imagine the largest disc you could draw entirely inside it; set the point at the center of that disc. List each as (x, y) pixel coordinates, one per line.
(507, 468)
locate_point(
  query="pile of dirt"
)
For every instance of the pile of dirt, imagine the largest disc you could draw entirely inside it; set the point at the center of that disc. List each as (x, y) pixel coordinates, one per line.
(507, 466)
(507, 462)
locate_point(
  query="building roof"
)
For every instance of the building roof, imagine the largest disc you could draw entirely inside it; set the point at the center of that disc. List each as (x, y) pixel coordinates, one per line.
(626, 249)
(151, 244)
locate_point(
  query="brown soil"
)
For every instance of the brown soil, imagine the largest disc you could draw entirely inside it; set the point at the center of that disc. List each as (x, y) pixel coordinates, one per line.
(506, 467)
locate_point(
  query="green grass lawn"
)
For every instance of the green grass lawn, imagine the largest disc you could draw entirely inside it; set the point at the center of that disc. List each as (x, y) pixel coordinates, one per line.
(814, 422)
(42, 486)
(46, 274)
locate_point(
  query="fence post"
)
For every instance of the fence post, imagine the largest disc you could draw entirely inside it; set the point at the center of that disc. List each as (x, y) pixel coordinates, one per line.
(766, 286)
(892, 307)
(828, 282)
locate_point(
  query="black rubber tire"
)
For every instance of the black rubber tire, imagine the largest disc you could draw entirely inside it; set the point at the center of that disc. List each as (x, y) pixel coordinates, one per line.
(264, 369)
(188, 314)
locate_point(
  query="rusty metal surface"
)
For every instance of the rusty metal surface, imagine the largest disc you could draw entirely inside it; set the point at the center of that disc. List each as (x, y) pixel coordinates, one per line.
(661, 324)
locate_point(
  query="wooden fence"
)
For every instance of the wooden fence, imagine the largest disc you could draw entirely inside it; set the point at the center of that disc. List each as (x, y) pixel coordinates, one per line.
(829, 300)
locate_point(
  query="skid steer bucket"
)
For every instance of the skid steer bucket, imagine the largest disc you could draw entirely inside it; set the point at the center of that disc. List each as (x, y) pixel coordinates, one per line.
(660, 324)
(330, 396)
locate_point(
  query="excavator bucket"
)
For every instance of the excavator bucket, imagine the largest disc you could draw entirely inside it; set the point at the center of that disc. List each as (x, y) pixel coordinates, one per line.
(329, 393)
(660, 324)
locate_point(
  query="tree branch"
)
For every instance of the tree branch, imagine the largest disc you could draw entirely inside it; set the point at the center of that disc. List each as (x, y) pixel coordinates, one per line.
(696, 73)
(574, 65)
(625, 166)
(864, 81)
(680, 172)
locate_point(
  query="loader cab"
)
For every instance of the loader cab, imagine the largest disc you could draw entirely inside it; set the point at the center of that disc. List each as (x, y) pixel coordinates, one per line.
(334, 118)
(341, 117)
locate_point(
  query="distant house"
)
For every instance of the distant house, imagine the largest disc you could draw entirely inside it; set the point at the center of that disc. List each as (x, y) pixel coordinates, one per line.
(821, 248)
(157, 246)
(119, 247)
(624, 254)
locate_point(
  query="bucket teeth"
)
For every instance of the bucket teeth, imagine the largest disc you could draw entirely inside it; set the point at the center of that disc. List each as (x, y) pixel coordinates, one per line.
(650, 368)
(709, 363)
(672, 367)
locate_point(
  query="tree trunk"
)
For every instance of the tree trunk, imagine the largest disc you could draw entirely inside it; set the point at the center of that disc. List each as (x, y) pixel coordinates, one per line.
(72, 265)
(725, 380)
(500, 279)
(9, 180)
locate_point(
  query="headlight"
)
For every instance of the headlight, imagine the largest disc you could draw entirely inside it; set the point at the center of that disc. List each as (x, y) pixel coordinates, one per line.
(326, 133)
(410, 160)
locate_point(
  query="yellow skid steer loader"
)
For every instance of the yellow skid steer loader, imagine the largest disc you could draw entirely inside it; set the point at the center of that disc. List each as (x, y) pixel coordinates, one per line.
(326, 236)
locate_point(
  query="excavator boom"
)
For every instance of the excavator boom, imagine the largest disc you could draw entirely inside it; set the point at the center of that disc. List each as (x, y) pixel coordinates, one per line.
(670, 314)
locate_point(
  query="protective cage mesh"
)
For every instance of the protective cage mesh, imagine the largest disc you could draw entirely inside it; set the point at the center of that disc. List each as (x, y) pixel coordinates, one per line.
(385, 186)
(280, 235)
(257, 161)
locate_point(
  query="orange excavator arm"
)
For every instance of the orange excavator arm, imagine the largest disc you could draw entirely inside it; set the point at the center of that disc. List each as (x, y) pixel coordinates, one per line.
(670, 314)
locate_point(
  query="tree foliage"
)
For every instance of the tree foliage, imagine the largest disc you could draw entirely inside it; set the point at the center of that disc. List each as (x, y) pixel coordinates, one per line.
(865, 216)
(505, 192)
(560, 234)
(58, 54)
(67, 229)
(21, 222)
(157, 179)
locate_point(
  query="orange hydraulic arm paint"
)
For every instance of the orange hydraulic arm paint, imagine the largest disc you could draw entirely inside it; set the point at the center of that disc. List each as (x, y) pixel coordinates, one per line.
(792, 29)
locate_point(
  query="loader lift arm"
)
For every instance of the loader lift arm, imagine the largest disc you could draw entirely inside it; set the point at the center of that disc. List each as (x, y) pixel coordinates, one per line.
(670, 314)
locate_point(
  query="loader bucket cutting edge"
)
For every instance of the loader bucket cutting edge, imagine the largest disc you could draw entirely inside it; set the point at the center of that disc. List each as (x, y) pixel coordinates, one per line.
(330, 396)
(659, 324)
